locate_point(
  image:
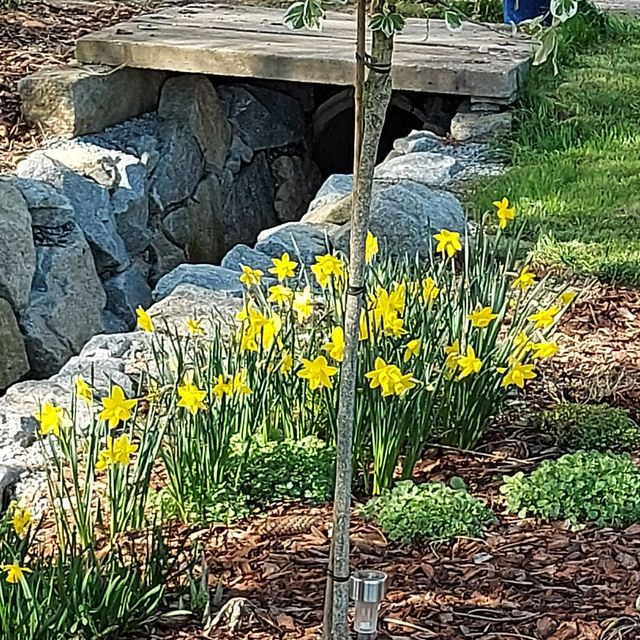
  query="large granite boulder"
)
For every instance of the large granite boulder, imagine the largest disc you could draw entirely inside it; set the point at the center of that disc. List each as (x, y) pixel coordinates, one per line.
(197, 226)
(126, 291)
(264, 118)
(67, 299)
(205, 276)
(296, 179)
(425, 167)
(17, 252)
(195, 135)
(241, 254)
(249, 205)
(303, 242)
(13, 355)
(91, 205)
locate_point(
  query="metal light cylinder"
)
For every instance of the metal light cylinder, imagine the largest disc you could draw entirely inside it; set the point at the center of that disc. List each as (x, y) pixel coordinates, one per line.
(367, 589)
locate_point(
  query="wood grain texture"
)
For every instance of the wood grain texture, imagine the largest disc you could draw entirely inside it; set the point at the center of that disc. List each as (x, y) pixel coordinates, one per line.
(253, 42)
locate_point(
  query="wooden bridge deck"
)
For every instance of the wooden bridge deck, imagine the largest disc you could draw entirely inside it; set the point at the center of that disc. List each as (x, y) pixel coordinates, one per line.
(245, 41)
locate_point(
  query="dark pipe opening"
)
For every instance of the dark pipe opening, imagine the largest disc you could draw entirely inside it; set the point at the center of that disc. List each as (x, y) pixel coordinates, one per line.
(333, 146)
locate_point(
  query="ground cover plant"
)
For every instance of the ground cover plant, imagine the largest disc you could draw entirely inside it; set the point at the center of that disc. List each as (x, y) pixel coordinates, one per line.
(575, 170)
(427, 511)
(586, 486)
(583, 426)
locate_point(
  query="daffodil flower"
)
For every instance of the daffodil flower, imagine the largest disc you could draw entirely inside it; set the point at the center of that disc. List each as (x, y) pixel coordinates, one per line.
(283, 267)
(335, 348)
(481, 318)
(15, 572)
(50, 418)
(518, 375)
(448, 241)
(468, 363)
(525, 279)
(191, 397)
(317, 372)
(250, 277)
(504, 212)
(144, 320)
(370, 247)
(116, 408)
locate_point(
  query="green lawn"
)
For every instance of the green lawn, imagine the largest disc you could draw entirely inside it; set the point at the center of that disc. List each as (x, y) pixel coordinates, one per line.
(575, 174)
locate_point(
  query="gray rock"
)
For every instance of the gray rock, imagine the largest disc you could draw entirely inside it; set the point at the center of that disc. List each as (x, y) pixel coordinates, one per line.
(17, 253)
(197, 227)
(190, 301)
(202, 275)
(334, 211)
(427, 168)
(13, 355)
(50, 211)
(249, 205)
(406, 215)
(125, 178)
(166, 256)
(195, 134)
(192, 101)
(74, 100)
(263, 118)
(296, 182)
(302, 241)
(480, 126)
(335, 187)
(243, 255)
(18, 407)
(9, 477)
(65, 305)
(91, 206)
(420, 141)
(101, 373)
(126, 291)
(239, 154)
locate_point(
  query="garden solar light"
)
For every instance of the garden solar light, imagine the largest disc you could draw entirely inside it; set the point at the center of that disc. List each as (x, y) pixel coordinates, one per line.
(367, 588)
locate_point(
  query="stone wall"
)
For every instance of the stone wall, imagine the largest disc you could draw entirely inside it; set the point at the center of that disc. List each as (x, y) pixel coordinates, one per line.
(89, 225)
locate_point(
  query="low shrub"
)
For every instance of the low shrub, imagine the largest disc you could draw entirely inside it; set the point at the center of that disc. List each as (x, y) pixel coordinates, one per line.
(9, 4)
(429, 511)
(593, 427)
(586, 486)
(281, 471)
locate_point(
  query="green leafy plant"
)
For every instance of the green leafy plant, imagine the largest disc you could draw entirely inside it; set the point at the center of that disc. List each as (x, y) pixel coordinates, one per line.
(9, 4)
(282, 471)
(583, 426)
(586, 486)
(429, 511)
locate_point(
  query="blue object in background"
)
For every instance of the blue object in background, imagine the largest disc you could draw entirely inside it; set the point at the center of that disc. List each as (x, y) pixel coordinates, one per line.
(519, 10)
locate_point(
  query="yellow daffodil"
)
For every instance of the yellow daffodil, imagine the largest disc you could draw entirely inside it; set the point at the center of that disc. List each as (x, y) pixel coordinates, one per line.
(50, 418)
(116, 408)
(279, 294)
(393, 325)
(453, 353)
(544, 350)
(250, 277)
(191, 398)
(240, 385)
(518, 374)
(286, 364)
(468, 363)
(194, 327)
(318, 372)
(567, 298)
(222, 387)
(544, 318)
(429, 290)
(21, 520)
(84, 390)
(270, 330)
(124, 449)
(481, 318)
(389, 379)
(370, 248)
(504, 212)
(366, 321)
(521, 345)
(144, 320)
(283, 267)
(525, 279)
(303, 304)
(326, 267)
(107, 456)
(411, 350)
(248, 341)
(335, 348)
(448, 241)
(14, 572)
(385, 304)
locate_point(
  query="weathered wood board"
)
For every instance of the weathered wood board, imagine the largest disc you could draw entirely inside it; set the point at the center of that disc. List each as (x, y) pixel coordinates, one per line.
(253, 42)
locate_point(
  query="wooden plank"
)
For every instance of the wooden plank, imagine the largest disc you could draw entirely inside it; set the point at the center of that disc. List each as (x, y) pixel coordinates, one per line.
(253, 42)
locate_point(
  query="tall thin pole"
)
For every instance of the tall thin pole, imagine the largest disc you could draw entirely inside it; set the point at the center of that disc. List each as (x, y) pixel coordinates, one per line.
(340, 502)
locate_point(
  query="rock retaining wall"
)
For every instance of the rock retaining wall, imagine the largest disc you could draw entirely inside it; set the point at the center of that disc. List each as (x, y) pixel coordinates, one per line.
(88, 226)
